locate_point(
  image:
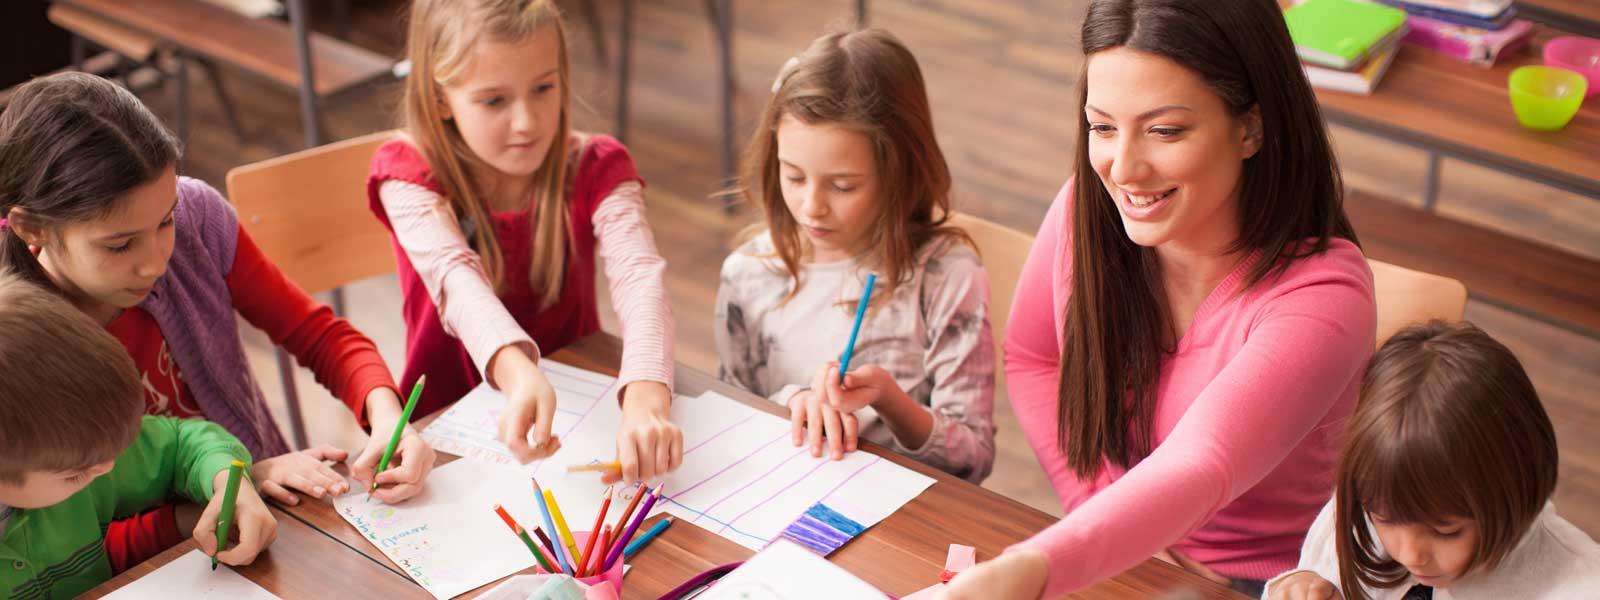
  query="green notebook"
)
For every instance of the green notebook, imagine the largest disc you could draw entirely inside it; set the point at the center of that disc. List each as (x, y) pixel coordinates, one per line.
(1340, 33)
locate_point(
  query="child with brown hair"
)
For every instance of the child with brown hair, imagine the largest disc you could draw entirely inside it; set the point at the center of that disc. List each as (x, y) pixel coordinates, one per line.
(1444, 485)
(499, 210)
(94, 208)
(845, 166)
(75, 452)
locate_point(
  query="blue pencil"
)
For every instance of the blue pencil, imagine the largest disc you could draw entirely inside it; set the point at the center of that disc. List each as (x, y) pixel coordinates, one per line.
(861, 313)
(639, 542)
(550, 525)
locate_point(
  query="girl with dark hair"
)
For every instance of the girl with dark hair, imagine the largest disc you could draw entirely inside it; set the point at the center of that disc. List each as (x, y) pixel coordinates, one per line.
(1444, 484)
(1190, 328)
(94, 209)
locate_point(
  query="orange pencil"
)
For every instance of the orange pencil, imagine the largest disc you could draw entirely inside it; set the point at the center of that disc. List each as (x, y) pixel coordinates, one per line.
(632, 504)
(605, 542)
(594, 533)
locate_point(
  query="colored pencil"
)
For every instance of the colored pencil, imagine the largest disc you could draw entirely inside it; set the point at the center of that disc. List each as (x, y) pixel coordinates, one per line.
(622, 540)
(399, 428)
(622, 523)
(566, 539)
(596, 467)
(230, 495)
(605, 537)
(594, 533)
(638, 544)
(861, 313)
(544, 543)
(550, 525)
(523, 535)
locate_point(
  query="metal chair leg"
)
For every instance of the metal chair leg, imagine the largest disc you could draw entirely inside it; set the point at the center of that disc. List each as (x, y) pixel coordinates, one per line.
(228, 111)
(721, 13)
(80, 53)
(861, 14)
(291, 396)
(625, 71)
(308, 89)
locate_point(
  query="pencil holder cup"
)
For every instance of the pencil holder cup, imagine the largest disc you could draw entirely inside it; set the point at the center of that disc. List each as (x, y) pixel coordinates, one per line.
(612, 575)
(1545, 98)
(1579, 54)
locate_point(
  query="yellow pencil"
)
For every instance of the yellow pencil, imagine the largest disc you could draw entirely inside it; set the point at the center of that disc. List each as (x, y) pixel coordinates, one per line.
(596, 467)
(561, 528)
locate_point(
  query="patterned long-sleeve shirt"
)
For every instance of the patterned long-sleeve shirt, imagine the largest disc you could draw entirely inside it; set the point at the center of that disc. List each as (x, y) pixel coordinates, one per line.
(932, 335)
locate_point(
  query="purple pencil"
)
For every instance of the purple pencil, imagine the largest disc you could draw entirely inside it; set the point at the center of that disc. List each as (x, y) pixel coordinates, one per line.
(622, 540)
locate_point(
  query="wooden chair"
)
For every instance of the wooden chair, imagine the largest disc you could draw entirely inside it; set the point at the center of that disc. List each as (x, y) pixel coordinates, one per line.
(1406, 297)
(308, 213)
(1003, 250)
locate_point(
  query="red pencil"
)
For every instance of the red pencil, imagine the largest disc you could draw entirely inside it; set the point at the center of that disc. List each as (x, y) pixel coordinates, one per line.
(594, 534)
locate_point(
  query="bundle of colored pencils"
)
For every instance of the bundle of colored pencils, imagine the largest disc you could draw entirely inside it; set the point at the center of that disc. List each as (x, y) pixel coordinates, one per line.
(558, 551)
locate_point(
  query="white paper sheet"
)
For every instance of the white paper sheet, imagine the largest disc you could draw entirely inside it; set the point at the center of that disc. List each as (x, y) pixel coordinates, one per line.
(448, 538)
(785, 571)
(190, 576)
(741, 477)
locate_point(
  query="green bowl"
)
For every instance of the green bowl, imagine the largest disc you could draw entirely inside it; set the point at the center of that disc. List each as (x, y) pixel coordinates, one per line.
(1545, 98)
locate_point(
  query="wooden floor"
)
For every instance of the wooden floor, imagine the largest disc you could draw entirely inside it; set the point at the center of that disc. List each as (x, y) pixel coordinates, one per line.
(1001, 77)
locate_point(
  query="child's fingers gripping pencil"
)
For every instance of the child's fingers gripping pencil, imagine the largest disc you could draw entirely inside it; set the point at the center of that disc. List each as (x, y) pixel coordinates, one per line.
(399, 429)
(861, 312)
(230, 495)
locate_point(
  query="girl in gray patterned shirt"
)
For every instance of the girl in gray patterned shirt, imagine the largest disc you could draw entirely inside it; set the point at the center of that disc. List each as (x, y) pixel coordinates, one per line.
(852, 181)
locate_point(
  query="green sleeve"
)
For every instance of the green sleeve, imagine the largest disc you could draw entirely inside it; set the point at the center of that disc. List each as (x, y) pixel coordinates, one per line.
(170, 456)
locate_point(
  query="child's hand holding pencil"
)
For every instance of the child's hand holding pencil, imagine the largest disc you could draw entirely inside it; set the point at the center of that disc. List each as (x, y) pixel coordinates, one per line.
(530, 406)
(252, 527)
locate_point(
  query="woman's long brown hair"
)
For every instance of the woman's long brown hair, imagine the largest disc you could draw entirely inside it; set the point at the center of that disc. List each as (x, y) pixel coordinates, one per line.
(1117, 319)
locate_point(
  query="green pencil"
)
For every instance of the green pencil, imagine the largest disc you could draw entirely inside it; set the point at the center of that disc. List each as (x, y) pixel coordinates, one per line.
(225, 519)
(399, 428)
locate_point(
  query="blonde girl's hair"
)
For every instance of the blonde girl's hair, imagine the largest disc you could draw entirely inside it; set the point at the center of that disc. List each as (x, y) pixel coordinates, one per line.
(867, 81)
(1448, 425)
(439, 44)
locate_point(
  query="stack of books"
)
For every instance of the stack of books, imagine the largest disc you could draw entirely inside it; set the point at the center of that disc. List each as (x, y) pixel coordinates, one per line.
(1345, 45)
(1475, 31)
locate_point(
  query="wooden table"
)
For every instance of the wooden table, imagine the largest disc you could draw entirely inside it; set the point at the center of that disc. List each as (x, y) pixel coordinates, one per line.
(1450, 108)
(900, 555)
(302, 563)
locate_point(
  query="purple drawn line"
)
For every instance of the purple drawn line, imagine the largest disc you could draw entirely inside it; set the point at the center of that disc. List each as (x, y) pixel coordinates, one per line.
(777, 493)
(719, 433)
(864, 467)
(730, 466)
(747, 484)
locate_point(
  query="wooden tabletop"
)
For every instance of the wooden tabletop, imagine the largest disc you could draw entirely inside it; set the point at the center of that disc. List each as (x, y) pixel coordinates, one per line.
(1441, 102)
(301, 563)
(262, 47)
(900, 555)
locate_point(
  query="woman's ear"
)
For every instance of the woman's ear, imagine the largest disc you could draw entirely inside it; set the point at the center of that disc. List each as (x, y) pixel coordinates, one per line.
(1251, 120)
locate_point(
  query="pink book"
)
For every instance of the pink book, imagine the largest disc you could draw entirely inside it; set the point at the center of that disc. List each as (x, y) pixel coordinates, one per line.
(1477, 46)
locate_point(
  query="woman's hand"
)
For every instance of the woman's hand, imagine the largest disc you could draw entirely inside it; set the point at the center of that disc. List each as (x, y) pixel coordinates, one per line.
(1010, 576)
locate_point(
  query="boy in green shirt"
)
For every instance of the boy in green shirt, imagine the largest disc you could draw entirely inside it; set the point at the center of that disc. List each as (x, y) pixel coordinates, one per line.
(76, 452)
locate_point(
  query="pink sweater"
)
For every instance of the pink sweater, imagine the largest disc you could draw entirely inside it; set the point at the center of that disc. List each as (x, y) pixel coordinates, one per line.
(1248, 417)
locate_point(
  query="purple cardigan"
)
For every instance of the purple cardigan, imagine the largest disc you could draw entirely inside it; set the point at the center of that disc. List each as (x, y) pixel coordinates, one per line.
(194, 308)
